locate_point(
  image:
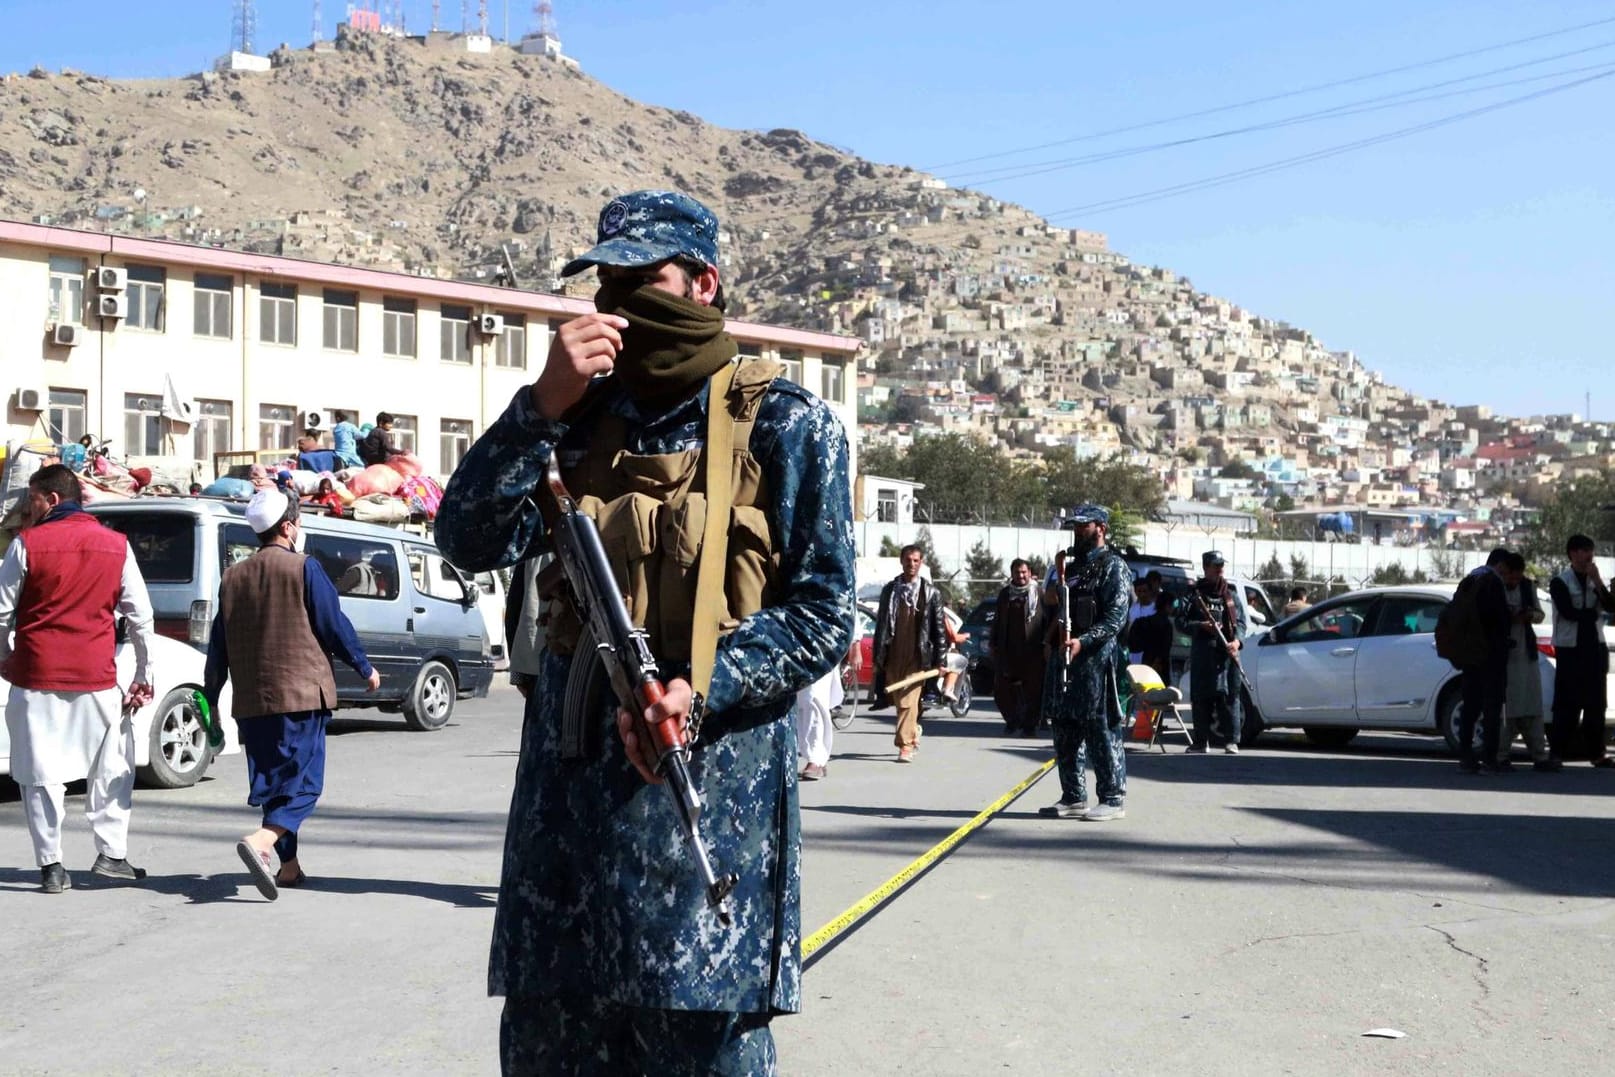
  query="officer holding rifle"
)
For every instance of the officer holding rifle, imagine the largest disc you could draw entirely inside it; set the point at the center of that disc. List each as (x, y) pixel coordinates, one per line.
(1091, 594)
(613, 953)
(1215, 623)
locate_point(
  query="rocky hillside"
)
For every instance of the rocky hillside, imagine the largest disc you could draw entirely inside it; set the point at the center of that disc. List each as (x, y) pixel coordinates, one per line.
(389, 152)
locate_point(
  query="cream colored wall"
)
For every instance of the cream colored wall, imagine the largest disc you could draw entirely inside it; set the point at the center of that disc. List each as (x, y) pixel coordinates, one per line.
(116, 359)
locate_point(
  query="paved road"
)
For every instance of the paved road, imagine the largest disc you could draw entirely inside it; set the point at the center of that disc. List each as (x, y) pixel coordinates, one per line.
(1253, 914)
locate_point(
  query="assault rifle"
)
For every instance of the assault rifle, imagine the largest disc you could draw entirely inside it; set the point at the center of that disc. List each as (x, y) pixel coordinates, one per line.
(1205, 611)
(625, 650)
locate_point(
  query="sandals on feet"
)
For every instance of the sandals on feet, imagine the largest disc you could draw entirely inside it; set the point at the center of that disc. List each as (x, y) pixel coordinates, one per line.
(258, 867)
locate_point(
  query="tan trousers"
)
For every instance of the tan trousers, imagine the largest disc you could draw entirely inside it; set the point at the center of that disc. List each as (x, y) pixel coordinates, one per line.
(907, 703)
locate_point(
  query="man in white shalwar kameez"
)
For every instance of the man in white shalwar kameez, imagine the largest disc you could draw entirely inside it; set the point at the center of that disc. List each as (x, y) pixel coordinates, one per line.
(62, 582)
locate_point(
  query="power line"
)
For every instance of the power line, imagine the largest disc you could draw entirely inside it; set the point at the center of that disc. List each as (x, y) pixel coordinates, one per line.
(1128, 201)
(1274, 97)
(1351, 108)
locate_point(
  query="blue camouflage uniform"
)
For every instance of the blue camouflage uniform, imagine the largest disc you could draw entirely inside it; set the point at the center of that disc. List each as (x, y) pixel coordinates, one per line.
(1088, 720)
(1214, 678)
(598, 900)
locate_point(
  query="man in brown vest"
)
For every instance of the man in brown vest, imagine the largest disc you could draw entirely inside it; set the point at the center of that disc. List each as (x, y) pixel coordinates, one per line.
(279, 619)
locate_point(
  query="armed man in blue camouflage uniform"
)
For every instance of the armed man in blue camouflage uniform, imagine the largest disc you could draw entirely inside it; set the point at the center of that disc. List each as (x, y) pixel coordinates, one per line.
(608, 957)
(1089, 718)
(1215, 622)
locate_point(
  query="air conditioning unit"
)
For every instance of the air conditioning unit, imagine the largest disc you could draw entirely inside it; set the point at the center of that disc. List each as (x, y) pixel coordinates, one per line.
(313, 419)
(113, 306)
(491, 325)
(112, 278)
(31, 399)
(67, 334)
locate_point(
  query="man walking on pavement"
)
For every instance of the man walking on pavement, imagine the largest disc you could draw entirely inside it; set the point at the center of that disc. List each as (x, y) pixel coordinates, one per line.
(1579, 599)
(1215, 623)
(909, 639)
(1089, 720)
(815, 731)
(1016, 646)
(63, 581)
(279, 621)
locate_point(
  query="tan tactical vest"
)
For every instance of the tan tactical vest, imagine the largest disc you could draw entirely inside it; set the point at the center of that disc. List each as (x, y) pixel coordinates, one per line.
(651, 511)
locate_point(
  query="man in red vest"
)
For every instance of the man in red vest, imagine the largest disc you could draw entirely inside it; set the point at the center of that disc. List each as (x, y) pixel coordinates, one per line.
(61, 583)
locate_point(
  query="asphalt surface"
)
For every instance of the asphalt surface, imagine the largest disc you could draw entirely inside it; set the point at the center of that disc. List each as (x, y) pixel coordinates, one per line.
(1253, 914)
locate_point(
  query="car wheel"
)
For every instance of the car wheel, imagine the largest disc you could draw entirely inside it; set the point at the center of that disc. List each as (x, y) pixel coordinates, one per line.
(842, 716)
(1253, 726)
(962, 697)
(431, 701)
(1327, 736)
(1447, 707)
(179, 750)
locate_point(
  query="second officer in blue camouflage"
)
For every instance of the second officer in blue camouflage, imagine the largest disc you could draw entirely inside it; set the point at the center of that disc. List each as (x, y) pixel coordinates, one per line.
(1088, 720)
(604, 948)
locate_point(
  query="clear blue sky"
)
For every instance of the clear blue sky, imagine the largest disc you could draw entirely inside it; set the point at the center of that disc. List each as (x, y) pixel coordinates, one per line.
(1471, 262)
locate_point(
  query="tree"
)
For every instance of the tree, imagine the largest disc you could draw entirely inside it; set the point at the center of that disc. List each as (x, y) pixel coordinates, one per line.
(1396, 575)
(986, 572)
(889, 547)
(1300, 571)
(1271, 577)
(943, 581)
(1110, 481)
(1126, 528)
(1238, 469)
(1574, 508)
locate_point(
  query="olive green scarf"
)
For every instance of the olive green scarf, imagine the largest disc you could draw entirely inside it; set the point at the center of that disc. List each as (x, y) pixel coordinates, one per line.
(672, 345)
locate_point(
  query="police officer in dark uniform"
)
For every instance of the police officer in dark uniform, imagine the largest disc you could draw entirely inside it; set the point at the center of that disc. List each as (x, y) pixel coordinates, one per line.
(605, 951)
(1089, 663)
(1215, 623)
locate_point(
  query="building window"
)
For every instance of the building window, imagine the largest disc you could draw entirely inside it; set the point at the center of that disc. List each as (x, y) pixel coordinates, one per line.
(341, 320)
(886, 507)
(513, 343)
(65, 416)
(277, 314)
(142, 424)
(212, 428)
(275, 426)
(398, 327)
(454, 440)
(404, 427)
(213, 305)
(66, 290)
(792, 362)
(830, 379)
(456, 335)
(750, 349)
(146, 287)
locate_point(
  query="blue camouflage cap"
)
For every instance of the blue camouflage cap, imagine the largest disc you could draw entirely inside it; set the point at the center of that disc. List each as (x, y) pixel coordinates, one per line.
(1088, 513)
(646, 227)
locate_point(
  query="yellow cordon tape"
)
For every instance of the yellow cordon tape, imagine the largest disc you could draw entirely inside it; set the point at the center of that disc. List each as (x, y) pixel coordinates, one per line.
(875, 897)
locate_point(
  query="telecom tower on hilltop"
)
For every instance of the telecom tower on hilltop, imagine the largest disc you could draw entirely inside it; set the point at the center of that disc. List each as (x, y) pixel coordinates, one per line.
(243, 25)
(542, 39)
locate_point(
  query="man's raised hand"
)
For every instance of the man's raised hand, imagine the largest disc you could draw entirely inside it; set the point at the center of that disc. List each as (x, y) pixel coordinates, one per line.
(583, 348)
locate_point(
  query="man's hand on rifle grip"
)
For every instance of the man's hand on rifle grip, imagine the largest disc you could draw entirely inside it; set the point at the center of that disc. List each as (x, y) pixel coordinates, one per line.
(674, 704)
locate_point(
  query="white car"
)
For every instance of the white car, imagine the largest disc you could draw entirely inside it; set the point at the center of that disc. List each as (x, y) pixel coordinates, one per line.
(1363, 660)
(171, 749)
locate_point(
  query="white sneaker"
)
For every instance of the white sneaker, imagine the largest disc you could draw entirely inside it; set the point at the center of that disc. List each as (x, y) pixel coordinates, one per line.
(1231, 749)
(1104, 813)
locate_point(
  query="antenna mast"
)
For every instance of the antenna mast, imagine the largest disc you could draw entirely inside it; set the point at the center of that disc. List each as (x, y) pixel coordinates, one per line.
(319, 32)
(243, 25)
(482, 17)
